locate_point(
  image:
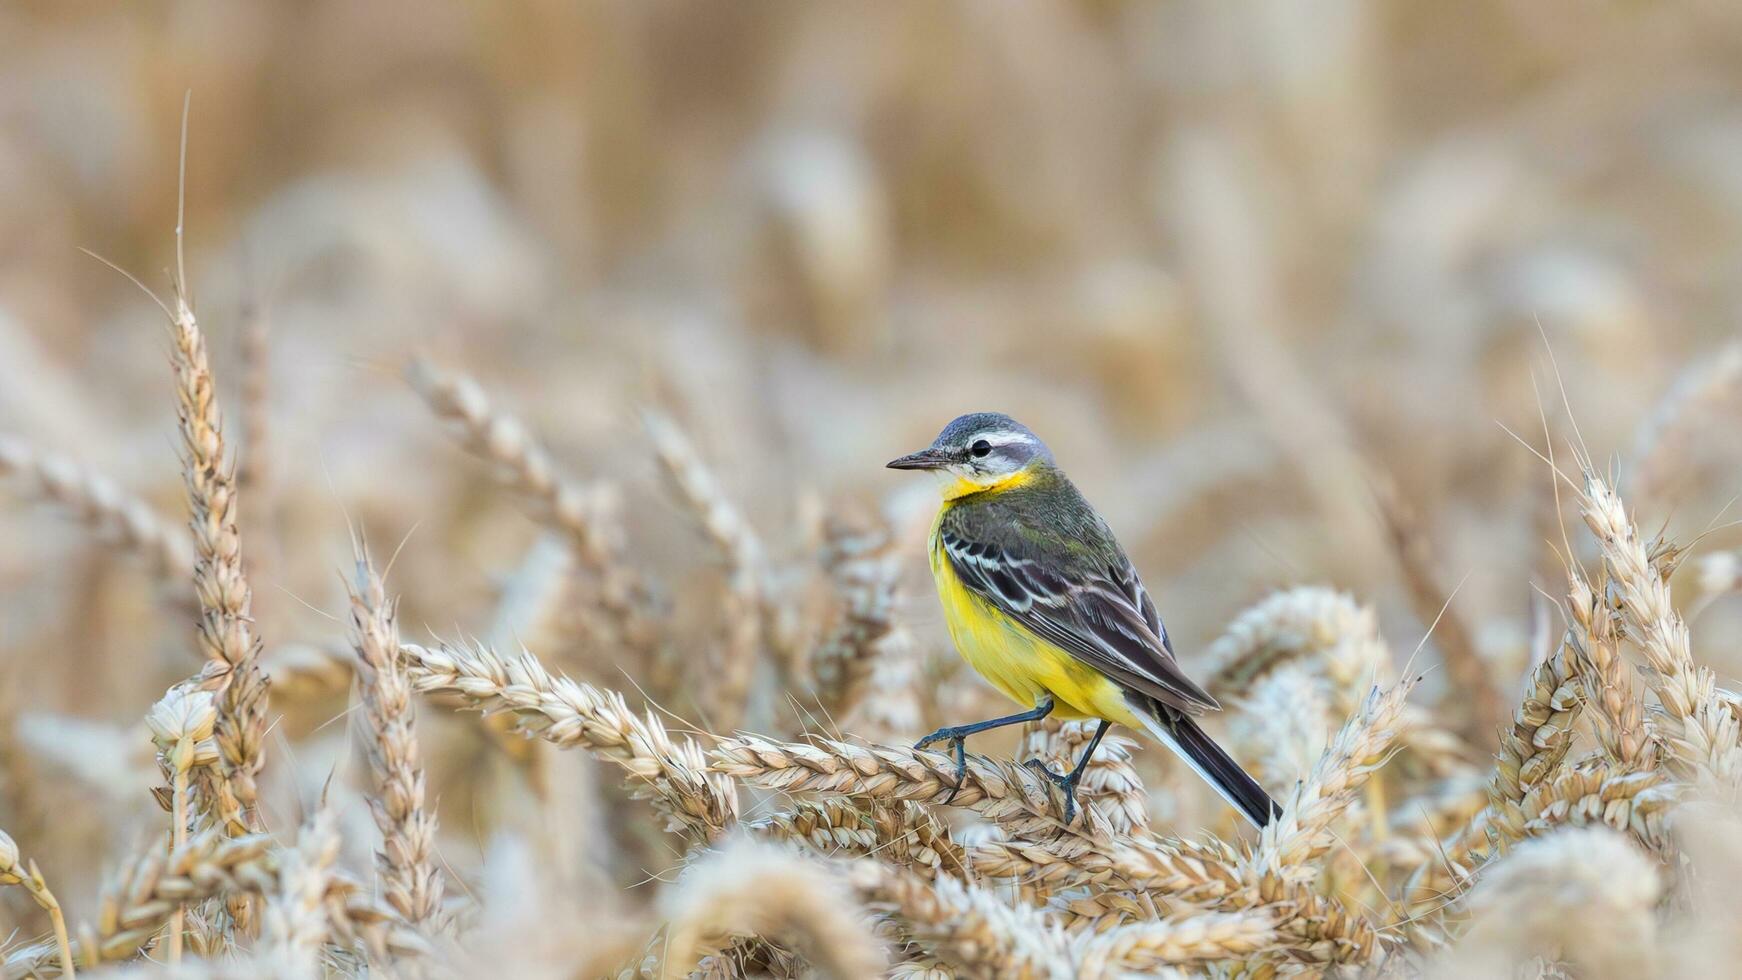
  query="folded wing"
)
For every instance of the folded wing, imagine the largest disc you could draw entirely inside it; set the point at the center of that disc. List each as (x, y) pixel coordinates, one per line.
(1098, 613)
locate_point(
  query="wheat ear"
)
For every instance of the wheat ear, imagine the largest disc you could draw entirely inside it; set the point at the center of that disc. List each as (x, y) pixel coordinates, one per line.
(751, 889)
(141, 899)
(518, 461)
(568, 714)
(126, 521)
(30, 878)
(410, 879)
(1698, 729)
(295, 924)
(734, 659)
(226, 630)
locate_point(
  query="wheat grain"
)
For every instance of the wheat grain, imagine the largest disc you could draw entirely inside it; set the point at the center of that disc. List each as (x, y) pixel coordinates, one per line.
(906, 835)
(966, 925)
(1003, 792)
(1607, 680)
(1320, 624)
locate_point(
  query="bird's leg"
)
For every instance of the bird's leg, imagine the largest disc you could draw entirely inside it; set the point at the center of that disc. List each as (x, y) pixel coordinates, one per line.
(957, 736)
(1069, 783)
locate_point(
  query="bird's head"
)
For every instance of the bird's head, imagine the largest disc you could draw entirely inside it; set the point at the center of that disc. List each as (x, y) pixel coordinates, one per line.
(978, 452)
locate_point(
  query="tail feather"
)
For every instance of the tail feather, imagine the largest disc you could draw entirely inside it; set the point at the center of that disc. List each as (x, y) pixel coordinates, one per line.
(1181, 733)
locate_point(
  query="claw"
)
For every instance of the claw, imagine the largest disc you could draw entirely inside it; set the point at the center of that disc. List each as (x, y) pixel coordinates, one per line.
(958, 750)
(1066, 783)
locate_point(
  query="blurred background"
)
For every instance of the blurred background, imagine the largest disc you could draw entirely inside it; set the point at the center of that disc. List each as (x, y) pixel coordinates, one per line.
(1272, 279)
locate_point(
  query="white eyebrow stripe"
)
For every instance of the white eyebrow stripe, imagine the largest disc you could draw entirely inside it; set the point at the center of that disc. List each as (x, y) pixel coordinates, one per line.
(1005, 437)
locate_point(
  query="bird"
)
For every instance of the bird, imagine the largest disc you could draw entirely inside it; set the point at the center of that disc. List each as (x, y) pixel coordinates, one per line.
(1043, 603)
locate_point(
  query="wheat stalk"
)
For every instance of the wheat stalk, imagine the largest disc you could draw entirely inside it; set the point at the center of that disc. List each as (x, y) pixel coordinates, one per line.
(863, 568)
(1476, 703)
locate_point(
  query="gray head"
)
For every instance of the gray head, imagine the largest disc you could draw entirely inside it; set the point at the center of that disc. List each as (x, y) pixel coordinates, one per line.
(983, 450)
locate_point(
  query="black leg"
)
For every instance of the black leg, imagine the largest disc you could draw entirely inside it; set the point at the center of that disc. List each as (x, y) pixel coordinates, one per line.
(1069, 783)
(958, 737)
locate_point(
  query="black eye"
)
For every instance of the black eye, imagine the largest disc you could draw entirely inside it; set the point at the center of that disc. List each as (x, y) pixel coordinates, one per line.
(980, 448)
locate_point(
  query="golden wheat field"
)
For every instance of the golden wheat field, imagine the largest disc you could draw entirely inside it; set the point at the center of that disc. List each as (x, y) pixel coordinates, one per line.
(444, 531)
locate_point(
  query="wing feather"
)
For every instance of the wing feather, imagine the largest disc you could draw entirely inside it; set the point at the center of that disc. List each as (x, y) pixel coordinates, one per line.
(1099, 614)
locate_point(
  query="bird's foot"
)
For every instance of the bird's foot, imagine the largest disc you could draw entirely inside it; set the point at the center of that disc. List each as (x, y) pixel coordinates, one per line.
(1067, 783)
(958, 740)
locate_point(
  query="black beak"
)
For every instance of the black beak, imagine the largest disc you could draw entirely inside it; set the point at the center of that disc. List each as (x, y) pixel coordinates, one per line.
(925, 459)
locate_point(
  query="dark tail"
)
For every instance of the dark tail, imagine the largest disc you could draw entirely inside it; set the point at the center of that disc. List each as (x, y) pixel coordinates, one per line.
(1181, 734)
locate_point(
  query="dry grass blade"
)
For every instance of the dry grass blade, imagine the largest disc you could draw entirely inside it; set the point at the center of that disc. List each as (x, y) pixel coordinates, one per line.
(409, 877)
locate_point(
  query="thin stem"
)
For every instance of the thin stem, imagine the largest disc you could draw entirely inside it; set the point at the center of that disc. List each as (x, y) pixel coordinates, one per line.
(180, 839)
(38, 888)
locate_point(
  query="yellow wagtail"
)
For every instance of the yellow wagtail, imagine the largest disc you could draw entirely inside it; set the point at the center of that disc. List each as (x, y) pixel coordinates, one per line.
(1042, 602)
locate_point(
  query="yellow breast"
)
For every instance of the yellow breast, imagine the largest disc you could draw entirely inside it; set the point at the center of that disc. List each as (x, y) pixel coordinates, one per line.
(1022, 666)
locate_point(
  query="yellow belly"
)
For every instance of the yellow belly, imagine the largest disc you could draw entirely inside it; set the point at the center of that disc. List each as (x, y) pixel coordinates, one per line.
(1016, 662)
